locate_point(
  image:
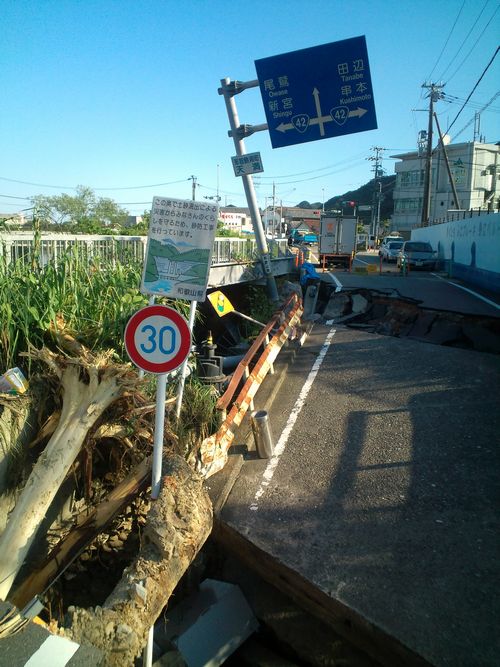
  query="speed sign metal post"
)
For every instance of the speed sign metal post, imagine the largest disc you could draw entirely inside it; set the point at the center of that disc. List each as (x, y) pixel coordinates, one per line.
(158, 340)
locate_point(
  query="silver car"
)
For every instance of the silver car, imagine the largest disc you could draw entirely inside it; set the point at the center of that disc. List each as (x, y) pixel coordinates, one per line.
(417, 254)
(389, 251)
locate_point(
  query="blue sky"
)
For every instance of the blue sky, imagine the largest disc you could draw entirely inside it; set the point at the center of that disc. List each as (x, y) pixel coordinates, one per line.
(120, 94)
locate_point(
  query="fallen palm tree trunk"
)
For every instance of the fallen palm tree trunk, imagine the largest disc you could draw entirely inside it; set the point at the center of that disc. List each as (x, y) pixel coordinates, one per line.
(89, 385)
(178, 523)
(87, 527)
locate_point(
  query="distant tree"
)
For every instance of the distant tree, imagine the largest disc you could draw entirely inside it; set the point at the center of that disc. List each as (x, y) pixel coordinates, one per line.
(221, 230)
(83, 212)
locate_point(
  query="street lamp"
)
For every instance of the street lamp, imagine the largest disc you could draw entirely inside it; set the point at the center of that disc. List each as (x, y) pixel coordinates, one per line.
(323, 190)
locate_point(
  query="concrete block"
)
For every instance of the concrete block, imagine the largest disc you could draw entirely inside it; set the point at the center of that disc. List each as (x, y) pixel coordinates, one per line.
(209, 626)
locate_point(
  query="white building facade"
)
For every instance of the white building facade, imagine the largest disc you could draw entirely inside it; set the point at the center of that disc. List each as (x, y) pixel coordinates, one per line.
(236, 219)
(475, 170)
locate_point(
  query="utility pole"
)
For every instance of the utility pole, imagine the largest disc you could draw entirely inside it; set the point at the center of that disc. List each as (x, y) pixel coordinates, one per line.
(434, 95)
(377, 194)
(193, 190)
(274, 211)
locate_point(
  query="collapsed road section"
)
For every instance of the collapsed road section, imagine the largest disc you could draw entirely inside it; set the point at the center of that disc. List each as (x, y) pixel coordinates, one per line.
(389, 313)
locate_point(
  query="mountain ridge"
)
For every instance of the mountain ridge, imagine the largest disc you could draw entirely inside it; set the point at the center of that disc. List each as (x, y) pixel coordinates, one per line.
(365, 195)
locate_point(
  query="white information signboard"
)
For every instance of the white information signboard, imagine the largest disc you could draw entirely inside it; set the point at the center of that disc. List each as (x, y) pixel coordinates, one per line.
(179, 251)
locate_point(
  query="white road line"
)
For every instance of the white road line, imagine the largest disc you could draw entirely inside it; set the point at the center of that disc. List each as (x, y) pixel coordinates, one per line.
(466, 289)
(54, 652)
(281, 444)
(337, 283)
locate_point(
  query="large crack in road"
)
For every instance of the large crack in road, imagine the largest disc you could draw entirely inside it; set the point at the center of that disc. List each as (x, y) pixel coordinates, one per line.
(390, 314)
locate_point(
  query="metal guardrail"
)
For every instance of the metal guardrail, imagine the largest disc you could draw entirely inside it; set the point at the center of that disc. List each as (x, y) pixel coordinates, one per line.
(53, 247)
(251, 370)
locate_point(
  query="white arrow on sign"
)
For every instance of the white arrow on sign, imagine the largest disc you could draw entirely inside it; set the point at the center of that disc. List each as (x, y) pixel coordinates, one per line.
(318, 111)
(338, 114)
(358, 112)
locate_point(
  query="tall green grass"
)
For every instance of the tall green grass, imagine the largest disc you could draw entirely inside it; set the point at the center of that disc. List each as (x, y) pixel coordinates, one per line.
(95, 298)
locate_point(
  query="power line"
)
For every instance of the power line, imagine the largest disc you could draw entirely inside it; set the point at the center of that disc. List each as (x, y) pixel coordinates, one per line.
(472, 91)
(463, 43)
(446, 42)
(312, 171)
(472, 105)
(12, 197)
(474, 118)
(474, 45)
(70, 187)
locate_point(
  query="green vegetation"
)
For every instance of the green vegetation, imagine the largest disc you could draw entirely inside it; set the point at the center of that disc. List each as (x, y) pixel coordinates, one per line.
(83, 213)
(91, 298)
(199, 417)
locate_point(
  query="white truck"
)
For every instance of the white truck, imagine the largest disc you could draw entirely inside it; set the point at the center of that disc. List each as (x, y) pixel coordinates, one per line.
(337, 241)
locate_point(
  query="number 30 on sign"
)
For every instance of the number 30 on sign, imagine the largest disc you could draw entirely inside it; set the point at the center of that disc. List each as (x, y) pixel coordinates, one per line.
(157, 339)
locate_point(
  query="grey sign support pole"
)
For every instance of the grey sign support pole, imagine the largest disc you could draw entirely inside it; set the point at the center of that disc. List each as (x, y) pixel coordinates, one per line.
(229, 89)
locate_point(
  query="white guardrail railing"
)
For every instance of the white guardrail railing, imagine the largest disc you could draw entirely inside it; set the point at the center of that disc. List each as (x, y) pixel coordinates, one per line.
(52, 247)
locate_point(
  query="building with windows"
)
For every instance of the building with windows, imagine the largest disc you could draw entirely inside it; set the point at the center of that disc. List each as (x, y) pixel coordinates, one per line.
(475, 170)
(13, 220)
(277, 220)
(236, 219)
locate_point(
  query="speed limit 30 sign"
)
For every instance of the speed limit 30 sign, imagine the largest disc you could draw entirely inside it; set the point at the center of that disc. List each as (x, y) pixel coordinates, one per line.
(157, 339)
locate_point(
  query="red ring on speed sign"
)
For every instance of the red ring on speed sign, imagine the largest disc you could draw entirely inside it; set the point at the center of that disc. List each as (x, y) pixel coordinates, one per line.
(157, 339)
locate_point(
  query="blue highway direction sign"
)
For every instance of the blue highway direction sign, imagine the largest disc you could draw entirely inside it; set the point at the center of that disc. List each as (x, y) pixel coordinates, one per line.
(317, 93)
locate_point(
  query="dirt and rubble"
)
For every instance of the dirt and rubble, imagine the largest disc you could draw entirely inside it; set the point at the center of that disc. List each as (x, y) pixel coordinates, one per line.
(112, 572)
(390, 314)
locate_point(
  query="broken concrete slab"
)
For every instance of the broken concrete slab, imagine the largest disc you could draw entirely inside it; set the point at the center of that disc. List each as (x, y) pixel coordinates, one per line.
(422, 325)
(338, 305)
(211, 624)
(307, 638)
(35, 645)
(310, 301)
(359, 304)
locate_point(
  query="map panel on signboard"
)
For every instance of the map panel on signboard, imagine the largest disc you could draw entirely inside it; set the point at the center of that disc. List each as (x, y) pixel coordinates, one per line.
(179, 251)
(317, 93)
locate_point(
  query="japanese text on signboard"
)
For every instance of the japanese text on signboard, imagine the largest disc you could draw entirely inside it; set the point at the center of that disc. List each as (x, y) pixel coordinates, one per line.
(180, 242)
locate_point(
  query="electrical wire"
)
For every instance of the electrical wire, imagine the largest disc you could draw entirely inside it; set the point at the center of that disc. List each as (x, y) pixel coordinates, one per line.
(472, 91)
(472, 105)
(463, 43)
(12, 197)
(70, 187)
(312, 171)
(446, 42)
(473, 46)
(474, 118)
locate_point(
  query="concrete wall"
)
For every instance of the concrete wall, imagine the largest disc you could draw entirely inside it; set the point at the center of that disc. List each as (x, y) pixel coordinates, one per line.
(469, 248)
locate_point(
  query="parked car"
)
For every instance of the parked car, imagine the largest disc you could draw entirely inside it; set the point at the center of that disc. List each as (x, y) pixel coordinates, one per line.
(417, 254)
(390, 251)
(391, 238)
